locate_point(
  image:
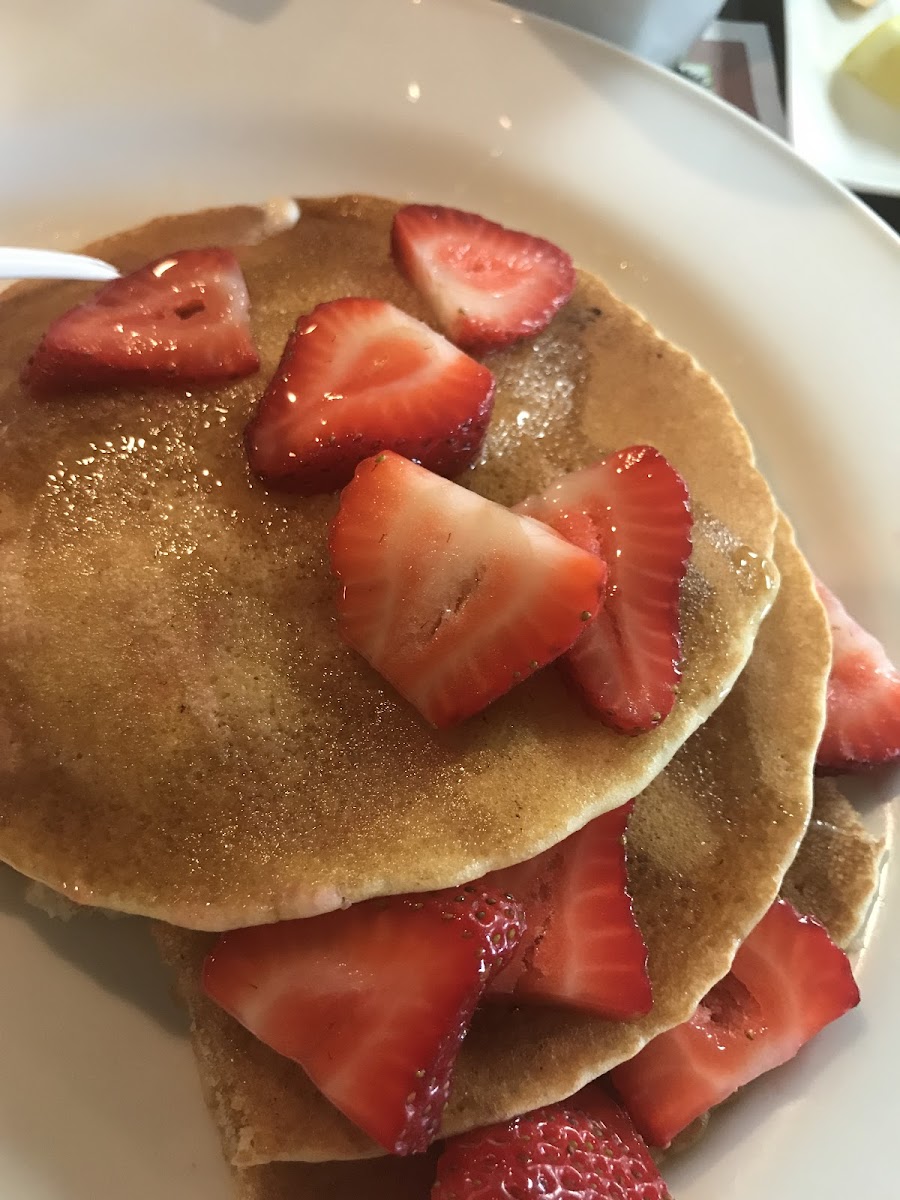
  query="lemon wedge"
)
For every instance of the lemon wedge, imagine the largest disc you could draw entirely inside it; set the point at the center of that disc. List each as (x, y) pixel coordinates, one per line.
(875, 61)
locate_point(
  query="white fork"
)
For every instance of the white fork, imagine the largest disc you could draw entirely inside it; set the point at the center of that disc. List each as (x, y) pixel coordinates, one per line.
(17, 262)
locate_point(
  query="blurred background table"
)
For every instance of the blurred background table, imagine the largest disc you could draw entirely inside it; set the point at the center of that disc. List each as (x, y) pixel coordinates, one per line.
(771, 13)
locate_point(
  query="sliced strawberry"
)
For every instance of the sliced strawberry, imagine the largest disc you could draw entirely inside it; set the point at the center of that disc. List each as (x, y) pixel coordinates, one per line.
(560, 1152)
(583, 948)
(626, 663)
(787, 982)
(488, 286)
(374, 1001)
(184, 317)
(453, 598)
(596, 1102)
(358, 376)
(862, 722)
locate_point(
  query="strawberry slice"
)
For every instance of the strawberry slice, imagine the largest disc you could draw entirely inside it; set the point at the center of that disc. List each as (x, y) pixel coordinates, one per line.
(862, 721)
(634, 504)
(452, 598)
(358, 376)
(183, 317)
(583, 948)
(787, 982)
(373, 1001)
(488, 286)
(596, 1102)
(560, 1152)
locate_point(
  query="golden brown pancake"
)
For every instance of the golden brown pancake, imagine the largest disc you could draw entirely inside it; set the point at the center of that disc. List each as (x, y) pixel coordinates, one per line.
(835, 874)
(183, 732)
(709, 843)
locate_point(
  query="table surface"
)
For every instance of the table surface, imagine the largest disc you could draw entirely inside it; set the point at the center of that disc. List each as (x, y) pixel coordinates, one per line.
(771, 12)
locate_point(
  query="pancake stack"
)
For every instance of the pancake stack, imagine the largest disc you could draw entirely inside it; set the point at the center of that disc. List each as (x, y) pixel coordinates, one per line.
(187, 738)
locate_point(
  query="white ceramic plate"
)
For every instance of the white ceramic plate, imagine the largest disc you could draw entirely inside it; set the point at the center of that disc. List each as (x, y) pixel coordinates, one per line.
(835, 122)
(778, 282)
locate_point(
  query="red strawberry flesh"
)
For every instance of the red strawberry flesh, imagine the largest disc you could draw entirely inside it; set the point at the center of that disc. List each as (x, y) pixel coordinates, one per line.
(184, 317)
(358, 376)
(634, 505)
(788, 982)
(862, 721)
(452, 598)
(583, 948)
(373, 1002)
(487, 285)
(557, 1153)
(596, 1101)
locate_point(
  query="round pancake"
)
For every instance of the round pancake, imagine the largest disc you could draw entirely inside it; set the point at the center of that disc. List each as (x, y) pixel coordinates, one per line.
(709, 843)
(836, 872)
(183, 732)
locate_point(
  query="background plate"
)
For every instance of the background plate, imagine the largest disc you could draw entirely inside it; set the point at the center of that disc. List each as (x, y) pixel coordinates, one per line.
(835, 123)
(778, 282)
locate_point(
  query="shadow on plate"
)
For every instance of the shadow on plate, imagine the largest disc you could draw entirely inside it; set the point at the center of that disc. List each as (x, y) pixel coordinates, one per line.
(254, 12)
(99, 1102)
(866, 116)
(845, 10)
(117, 952)
(870, 793)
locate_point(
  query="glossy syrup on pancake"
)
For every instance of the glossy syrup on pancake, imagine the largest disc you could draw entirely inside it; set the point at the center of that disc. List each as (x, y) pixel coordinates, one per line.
(184, 733)
(709, 842)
